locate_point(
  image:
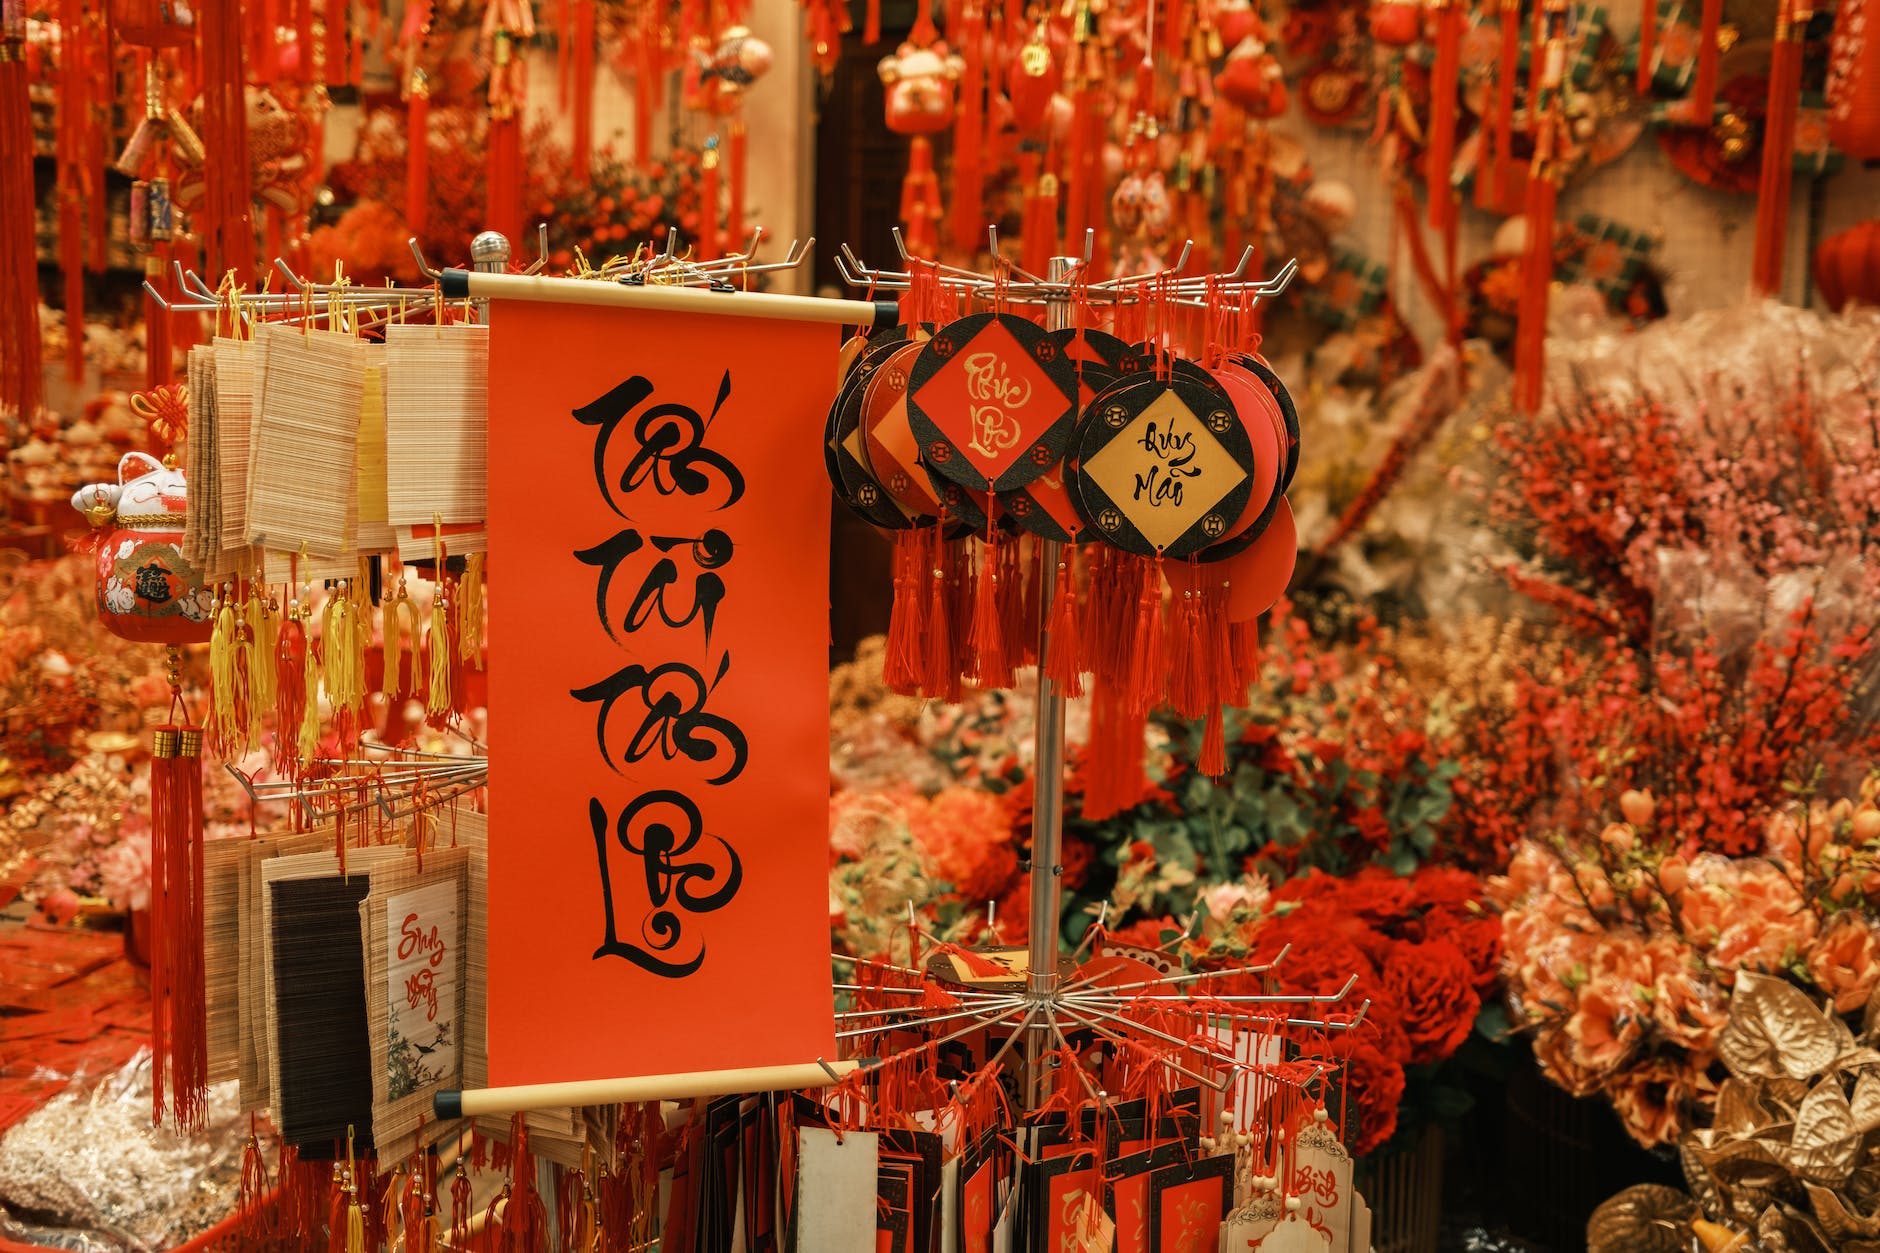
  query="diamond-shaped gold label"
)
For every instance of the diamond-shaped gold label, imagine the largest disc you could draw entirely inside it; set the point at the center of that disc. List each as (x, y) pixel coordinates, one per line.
(1164, 470)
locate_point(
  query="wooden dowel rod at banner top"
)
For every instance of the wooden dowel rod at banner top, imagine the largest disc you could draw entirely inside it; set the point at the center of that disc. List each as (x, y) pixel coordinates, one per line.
(476, 1101)
(470, 284)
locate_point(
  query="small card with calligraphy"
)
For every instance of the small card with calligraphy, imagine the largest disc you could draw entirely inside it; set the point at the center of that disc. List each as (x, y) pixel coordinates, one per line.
(993, 400)
(414, 927)
(1188, 1202)
(1165, 466)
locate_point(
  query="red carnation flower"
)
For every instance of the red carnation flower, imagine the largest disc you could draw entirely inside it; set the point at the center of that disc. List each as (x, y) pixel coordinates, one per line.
(1477, 935)
(1373, 1084)
(1439, 886)
(1433, 985)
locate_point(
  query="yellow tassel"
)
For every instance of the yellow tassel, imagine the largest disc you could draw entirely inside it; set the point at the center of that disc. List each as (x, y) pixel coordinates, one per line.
(222, 647)
(355, 1228)
(358, 642)
(333, 650)
(439, 703)
(264, 628)
(470, 609)
(310, 721)
(394, 642)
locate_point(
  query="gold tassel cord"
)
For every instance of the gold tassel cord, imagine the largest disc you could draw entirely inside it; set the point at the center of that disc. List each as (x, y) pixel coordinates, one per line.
(470, 610)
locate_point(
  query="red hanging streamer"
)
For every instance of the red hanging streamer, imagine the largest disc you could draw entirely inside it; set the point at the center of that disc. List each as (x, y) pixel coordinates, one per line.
(1445, 84)
(179, 1037)
(1647, 46)
(505, 176)
(967, 231)
(1704, 88)
(228, 232)
(1778, 153)
(337, 74)
(708, 198)
(20, 381)
(583, 89)
(992, 668)
(737, 154)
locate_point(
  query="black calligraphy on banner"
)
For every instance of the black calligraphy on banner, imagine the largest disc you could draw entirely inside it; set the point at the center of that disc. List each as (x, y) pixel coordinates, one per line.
(655, 708)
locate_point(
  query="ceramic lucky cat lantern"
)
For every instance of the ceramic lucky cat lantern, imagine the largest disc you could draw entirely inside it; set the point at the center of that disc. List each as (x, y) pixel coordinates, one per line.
(147, 591)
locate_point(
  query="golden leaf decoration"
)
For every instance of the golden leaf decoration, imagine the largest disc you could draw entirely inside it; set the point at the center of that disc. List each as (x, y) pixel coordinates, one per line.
(1866, 1101)
(1840, 1222)
(1826, 1144)
(1740, 1110)
(1776, 1032)
(1645, 1218)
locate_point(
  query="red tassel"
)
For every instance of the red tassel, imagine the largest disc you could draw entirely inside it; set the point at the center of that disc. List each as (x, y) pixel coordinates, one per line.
(871, 24)
(1017, 604)
(1063, 659)
(645, 102)
(418, 154)
(991, 667)
(907, 619)
(1778, 154)
(1444, 86)
(1148, 657)
(920, 198)
(937, 670)
(179, 1037)
(583, 89)
(290, 695)
(1213, 759)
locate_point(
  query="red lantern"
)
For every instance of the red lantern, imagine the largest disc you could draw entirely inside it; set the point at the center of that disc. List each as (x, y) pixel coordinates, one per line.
(153, 23)
(1394, 23)
(147, 590)
(1847, 266)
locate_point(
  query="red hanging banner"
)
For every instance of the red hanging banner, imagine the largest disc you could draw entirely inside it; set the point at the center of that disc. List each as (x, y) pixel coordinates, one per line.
(659, 722)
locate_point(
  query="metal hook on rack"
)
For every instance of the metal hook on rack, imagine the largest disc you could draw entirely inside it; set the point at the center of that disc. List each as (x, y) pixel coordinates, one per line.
(424, 268)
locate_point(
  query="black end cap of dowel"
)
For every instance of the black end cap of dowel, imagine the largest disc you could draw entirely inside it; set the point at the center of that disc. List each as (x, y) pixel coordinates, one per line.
(455, 284)
(448, 1106)
(887, 313)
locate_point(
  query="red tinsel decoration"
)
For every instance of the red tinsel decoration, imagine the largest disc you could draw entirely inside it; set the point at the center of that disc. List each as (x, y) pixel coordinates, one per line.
(178, 1033)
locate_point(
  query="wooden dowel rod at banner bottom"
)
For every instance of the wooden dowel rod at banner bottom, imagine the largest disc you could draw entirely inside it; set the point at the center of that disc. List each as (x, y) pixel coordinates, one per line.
(473, 1102)
(475, 285)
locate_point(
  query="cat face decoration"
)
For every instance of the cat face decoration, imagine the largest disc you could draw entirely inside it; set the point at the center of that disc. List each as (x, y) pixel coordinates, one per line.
(147, 590)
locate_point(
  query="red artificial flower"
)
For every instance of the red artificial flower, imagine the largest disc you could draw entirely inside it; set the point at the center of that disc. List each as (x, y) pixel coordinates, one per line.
(1476, 935)
(1433, 985)
(1145, 933)
(1439, 887)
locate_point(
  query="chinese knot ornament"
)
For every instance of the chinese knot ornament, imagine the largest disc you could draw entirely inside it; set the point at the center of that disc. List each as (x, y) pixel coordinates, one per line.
(147, 591)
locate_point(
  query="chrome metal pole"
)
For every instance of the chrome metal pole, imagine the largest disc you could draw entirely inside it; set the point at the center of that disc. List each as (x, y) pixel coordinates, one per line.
(1047, 812)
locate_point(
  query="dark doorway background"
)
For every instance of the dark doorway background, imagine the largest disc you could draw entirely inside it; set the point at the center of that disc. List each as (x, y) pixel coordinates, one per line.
(859, 167)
